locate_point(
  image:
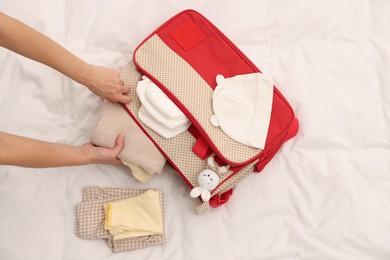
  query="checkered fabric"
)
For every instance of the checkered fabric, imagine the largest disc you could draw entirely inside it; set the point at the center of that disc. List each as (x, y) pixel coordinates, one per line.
(90, 218)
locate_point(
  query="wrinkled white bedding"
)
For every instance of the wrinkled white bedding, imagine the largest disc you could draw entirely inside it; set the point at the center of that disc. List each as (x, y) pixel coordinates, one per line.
(325, 195)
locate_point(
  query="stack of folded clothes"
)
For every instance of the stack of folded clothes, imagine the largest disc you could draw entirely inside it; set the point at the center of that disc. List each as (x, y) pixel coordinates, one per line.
(126, 219)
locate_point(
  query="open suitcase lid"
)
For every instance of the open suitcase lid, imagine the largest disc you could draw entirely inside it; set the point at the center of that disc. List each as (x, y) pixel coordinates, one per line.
(183, 57)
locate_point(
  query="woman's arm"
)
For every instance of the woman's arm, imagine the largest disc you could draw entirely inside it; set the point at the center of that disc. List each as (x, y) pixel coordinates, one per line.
(27, 152)
(18, 37)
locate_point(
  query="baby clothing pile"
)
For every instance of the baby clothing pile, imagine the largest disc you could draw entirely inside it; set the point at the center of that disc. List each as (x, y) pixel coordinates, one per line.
(126, 219)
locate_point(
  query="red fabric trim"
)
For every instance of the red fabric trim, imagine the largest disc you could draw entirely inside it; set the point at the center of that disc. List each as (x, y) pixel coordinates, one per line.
(201, 147)
(192, 129)
(220, 199)
(293, 129)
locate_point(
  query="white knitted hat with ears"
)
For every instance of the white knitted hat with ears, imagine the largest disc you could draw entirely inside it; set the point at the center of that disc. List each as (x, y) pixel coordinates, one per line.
(242, 107)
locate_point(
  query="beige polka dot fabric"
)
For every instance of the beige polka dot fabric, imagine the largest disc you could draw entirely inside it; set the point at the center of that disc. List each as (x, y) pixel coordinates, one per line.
(178, 149)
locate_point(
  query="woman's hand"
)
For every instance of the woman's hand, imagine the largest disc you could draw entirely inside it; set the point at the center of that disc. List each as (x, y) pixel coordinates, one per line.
(102, 81)
(106, 83)
(104, 155)
(27, 152)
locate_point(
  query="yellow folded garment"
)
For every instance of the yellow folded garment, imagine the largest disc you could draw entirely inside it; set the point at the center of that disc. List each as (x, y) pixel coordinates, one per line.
(135, 216)
(138, 172)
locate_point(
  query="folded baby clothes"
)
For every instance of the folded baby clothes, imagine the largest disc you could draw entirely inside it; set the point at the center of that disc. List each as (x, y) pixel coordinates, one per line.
(135, 216)
(139, 153)
(158, 112)
(242, 107)
(90, 218)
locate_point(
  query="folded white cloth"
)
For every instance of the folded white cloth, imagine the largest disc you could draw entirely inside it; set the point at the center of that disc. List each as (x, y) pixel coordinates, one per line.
(242, 107)
(158, 112)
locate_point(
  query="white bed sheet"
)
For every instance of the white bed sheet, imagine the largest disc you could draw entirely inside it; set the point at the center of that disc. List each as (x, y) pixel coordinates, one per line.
(325, 195)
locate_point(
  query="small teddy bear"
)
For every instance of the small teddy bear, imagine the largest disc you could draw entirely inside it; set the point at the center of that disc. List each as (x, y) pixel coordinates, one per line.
(208, 179)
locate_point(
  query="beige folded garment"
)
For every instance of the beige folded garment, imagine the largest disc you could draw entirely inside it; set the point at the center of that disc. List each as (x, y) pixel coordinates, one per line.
(138, 150)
